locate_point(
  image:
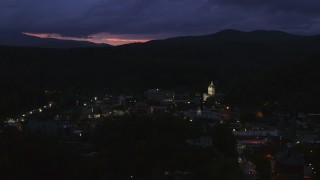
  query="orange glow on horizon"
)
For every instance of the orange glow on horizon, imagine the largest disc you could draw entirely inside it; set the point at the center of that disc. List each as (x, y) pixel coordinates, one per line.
(126, 40)
(91, 38)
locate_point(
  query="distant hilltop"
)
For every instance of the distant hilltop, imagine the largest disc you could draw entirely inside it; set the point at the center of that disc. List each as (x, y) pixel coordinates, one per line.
(251, 66)
(9, 38)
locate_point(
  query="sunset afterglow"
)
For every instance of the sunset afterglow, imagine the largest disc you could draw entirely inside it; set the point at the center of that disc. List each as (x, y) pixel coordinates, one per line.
(99, 38)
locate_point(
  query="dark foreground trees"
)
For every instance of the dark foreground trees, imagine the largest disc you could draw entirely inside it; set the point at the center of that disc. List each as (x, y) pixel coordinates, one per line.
(130, 147)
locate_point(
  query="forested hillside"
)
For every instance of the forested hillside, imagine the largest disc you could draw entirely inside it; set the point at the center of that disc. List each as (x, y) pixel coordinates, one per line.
(250, 67)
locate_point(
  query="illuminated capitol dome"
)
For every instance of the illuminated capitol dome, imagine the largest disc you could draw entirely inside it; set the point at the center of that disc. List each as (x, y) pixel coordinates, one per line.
(211, 92)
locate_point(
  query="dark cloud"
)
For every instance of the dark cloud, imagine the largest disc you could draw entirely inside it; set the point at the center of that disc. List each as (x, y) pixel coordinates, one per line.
(298, 6)
(158, 18)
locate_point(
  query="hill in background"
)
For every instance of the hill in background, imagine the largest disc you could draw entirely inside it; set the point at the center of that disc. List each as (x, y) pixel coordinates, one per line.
(251, 67)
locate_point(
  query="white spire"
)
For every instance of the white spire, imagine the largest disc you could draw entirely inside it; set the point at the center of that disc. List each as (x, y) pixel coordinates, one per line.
(211, 89)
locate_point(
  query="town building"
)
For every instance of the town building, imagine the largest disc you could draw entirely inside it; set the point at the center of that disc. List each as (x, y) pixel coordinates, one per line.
(159, 95)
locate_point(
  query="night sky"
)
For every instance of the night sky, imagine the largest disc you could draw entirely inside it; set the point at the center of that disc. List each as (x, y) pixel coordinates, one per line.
(124, 21)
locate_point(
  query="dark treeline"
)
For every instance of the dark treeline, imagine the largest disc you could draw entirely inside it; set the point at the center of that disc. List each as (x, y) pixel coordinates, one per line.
(130, 147)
